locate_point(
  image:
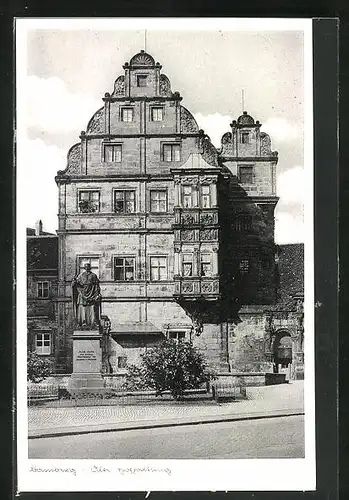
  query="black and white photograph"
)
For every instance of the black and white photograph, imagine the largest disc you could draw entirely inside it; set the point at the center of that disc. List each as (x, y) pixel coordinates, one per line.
(165, 297)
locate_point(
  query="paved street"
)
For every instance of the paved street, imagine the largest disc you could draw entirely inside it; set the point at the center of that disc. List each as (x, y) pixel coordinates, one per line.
(263, 399)
(267, 438)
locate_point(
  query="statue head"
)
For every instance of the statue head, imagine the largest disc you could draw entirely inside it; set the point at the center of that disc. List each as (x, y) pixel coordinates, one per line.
(87, 267)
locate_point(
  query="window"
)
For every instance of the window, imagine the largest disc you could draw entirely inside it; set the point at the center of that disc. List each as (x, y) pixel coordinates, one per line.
(43, 343)
(88, 202)
(243, 223)
(112, 153)
(177, 336)
(245, 139)
(158, 201)
(157, 114)
(124, 202)
(43, 289)
(158, 268)
(244, 266)
(141, 80)
(187, 196)
(122, 361)
(127, 114)
(205, 197)
(246, 175)
(187, 264)
(124, 269)
(206, 268)
(171, 152)
(93, 261)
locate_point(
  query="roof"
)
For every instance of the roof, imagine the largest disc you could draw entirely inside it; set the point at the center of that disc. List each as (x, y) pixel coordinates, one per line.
(135, 328)
(42, 252)
(291, 271)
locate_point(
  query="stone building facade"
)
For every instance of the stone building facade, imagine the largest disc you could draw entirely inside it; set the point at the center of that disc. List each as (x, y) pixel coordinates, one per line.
(181, 234)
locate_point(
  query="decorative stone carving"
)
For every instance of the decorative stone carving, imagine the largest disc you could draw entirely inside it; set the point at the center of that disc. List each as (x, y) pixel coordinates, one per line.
(209, 234)
(165, 86)
(119, 86)
(265, 144)
(215, 286)
(206, 218)
(188, 123)
(192, 180)
(187, 235)
(206, 287)
(209, 152)
(187, 287)
(188, 219)
(142, 59)
(96, 124)
(245, 119)
(226, 138)
(206, 179)
(74, 160)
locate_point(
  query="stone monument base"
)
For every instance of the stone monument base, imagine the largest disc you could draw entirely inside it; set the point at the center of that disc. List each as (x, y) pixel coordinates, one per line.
(86, 379)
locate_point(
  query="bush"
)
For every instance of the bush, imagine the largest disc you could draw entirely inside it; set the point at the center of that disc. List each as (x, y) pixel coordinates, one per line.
(38, 368)
(171, 366)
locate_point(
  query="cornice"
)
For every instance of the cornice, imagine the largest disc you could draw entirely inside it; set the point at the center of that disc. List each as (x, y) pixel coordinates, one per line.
(249, 158)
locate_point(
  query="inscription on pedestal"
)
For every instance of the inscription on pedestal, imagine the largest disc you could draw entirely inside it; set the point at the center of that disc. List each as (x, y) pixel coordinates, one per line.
(86, 356)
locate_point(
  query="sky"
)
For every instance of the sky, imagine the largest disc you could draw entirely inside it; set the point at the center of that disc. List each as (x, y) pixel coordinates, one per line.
(67, 72)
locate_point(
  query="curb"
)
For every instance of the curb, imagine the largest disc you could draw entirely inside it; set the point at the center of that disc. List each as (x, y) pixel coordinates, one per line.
(150, 424)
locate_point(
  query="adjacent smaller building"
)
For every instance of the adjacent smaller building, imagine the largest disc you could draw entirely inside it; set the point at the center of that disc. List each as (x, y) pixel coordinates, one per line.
(42, 277)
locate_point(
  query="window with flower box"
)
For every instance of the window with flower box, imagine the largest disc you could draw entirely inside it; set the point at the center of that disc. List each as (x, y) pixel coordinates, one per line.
(88, 202)
(124, 201)
(124, 268)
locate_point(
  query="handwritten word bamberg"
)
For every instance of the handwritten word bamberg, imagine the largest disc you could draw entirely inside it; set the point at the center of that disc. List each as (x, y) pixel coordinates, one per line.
(69, 470)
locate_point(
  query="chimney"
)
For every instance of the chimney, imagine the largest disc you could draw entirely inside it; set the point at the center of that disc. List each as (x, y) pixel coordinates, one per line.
(38, 228)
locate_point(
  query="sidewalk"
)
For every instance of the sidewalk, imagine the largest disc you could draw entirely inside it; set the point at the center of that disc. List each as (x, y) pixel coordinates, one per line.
(270, 401)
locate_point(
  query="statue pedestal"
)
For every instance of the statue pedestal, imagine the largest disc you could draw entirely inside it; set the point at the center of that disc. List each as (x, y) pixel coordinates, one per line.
(86, 379)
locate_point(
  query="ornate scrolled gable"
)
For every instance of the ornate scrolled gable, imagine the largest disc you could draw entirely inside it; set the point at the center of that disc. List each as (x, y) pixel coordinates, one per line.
(96, 124)
(119, 86)
(209, 152)
(188, 122)
(74, 160)
(165, 86)
(142, 59)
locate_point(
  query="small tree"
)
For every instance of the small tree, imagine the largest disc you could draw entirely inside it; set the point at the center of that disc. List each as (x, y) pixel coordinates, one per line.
(174, 366)
(38, 368)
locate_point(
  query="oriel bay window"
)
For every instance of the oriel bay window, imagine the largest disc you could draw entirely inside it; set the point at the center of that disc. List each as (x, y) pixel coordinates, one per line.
(158, 268)
(88, 202)
(205, 196)
(206, 264)
(171, 152)
(124, 268)
(43, 343)
(158, 200)
(189, 196)
(124, 201)
(112, 153)
(187, 264)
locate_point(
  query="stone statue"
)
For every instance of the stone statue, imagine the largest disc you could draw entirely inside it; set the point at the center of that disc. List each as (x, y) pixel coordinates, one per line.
(86, 295)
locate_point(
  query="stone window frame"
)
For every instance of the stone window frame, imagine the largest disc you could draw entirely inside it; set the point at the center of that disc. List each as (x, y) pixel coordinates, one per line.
(126, 108)
(150, 206)
(244, 167)
(243, 135)
(158, 256)
(183, 334)
(107, 144)
(88, 190)
(123, 190)
(172, 144)
(141, 77)
(208, 261)
(202, 195)
(86, 256)
(156, 107)
(135, 267)
(41, 282)
(189, 261)
(49, 340)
